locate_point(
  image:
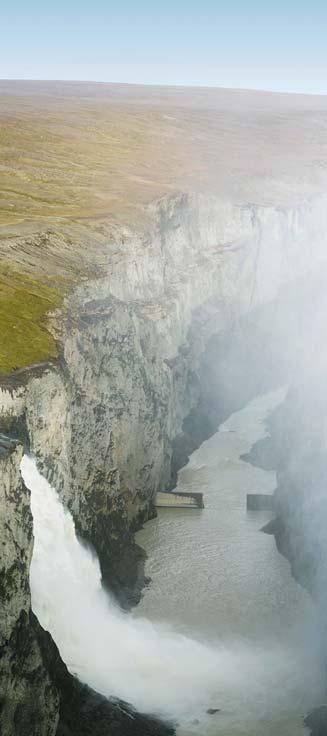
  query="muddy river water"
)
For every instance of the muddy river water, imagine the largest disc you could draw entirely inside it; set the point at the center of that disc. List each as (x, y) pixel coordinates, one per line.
(218, 579)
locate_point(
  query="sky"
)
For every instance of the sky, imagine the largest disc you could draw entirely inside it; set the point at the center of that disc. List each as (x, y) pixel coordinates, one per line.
(276, 45)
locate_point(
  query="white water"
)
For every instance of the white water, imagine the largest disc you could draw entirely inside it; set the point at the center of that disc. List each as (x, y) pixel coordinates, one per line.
(261, 688)
(147, 665)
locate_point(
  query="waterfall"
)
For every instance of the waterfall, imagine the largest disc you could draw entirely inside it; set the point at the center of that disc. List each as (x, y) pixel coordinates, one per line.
(114, 652)
(146, 664)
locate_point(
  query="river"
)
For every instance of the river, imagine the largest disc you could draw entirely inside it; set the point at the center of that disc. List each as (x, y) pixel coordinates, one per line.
(223, 624)
(217, 578)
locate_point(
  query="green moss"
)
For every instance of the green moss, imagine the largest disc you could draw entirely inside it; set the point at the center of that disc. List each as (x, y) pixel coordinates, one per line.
(24, 304)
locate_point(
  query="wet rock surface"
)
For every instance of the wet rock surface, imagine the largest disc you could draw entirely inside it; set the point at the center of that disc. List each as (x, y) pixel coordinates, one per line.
(82, 711)
(29, 699)
(38, 696)
(317, 721)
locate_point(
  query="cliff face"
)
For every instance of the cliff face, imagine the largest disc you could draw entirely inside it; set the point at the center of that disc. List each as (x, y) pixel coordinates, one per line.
(143, 352)
(29, 700)
(299, 434)
(38, 696)
(159, 308)
(103, 422)
(297, 448)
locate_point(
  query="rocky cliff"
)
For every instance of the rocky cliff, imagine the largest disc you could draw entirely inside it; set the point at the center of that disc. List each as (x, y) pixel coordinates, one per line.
(38, 696)
(296, 448)
(150, 305)
(107, 420)
(29, 700)
(104, 420)
(298, 442)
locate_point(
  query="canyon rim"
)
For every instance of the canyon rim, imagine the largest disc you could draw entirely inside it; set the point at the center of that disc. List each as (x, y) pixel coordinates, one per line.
(162, 261)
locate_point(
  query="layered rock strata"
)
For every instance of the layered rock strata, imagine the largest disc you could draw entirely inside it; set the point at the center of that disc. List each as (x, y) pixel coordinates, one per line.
(151, 352)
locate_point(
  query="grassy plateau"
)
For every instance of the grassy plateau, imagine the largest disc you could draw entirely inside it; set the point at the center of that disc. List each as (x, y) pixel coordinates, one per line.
(78, 161)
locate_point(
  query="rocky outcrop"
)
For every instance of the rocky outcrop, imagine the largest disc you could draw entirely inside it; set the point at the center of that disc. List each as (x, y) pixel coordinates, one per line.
(298, 439)
(108, 422)
(38, 696)
(296, 447)
(168, 308)
(151, 352)
(29, 700)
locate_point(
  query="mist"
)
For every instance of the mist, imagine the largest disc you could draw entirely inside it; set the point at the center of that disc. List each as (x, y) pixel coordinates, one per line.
(147, 663)
(181, 674)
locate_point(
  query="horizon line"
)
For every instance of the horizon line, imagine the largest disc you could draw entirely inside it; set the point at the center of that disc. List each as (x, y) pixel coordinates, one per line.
(165, 86)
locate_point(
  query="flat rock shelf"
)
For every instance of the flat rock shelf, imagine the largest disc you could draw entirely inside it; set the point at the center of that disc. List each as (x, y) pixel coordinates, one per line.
(179, 500)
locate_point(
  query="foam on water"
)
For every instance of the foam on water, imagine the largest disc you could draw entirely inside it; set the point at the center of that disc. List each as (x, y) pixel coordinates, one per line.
(117, 654)
(149, 664)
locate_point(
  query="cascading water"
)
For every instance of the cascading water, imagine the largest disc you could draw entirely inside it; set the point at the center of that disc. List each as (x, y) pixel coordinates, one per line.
(259, 685)
(118, 655)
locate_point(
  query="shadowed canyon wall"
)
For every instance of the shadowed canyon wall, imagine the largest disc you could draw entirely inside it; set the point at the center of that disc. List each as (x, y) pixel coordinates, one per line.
(142, 378)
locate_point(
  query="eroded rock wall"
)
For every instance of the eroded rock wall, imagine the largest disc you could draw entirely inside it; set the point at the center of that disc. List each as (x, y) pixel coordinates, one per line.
(144, 349)
(28, 698)
(103, 422)
(38, 696)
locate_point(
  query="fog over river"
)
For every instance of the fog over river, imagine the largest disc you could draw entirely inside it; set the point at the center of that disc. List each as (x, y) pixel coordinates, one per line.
(223, 625)
(217, 578)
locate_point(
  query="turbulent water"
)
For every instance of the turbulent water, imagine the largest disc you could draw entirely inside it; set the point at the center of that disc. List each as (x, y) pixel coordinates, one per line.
(237, 629)
(215, 576)
(143, 663)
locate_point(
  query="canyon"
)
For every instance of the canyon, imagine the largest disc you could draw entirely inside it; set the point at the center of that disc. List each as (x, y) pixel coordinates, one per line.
(171, 302)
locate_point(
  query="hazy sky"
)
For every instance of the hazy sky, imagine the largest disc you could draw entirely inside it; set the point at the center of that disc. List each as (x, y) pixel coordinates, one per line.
(267, 44)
